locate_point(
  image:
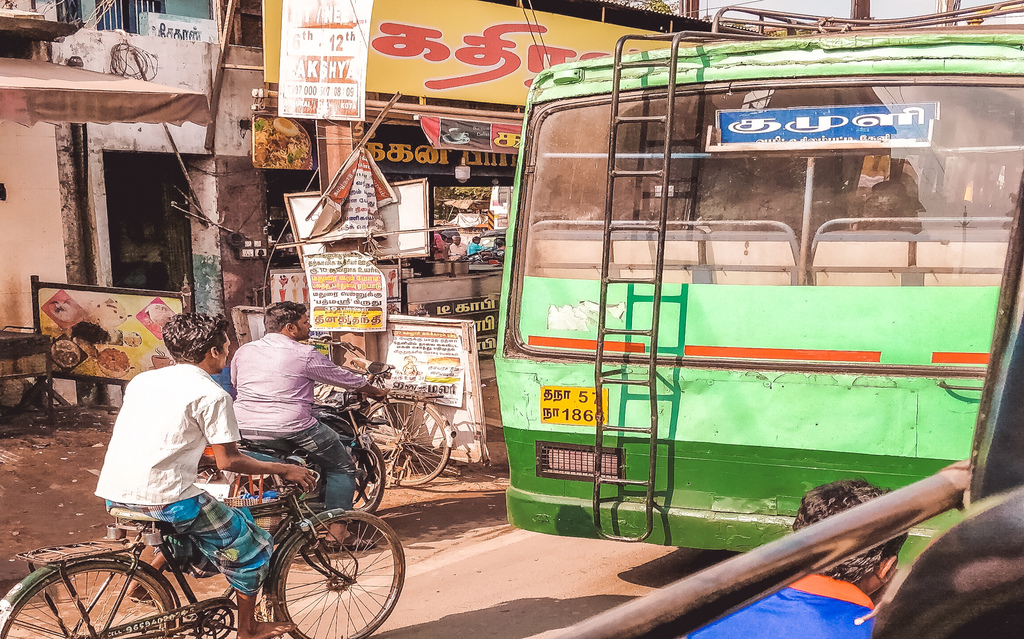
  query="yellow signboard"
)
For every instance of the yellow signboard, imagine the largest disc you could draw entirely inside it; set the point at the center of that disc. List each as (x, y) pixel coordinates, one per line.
(470, 50)
(570, 405)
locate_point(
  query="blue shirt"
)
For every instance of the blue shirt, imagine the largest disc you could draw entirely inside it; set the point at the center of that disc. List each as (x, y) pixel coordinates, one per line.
(815, 607)
(473, 247)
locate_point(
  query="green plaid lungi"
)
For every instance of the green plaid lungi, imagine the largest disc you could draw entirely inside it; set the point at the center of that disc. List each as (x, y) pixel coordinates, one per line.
(228, 540)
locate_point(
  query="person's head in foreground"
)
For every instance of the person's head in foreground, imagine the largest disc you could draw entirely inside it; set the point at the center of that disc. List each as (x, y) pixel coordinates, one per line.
(870, 570)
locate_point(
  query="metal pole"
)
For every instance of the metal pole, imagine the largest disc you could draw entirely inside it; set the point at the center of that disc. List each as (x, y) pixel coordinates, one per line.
(860, 9)
(805, 226)
(693, 602)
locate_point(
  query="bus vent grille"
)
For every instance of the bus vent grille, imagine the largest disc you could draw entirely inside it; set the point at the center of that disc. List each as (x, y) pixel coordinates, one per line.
(568, 461)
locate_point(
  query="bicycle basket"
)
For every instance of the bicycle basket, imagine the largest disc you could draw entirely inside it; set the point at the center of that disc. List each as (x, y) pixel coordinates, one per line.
(250, 492)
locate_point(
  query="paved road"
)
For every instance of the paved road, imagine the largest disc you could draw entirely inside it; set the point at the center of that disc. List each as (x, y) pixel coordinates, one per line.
(502, 583)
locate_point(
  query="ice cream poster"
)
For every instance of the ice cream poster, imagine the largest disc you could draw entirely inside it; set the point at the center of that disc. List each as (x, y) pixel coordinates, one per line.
(428, 361)
(104, 333)
(288, 285)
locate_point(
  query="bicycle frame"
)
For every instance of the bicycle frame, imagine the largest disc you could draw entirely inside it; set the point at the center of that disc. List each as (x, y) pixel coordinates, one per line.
(293, 529)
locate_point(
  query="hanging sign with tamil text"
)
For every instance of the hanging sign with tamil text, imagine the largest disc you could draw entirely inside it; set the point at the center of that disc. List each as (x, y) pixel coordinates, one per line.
(347, 293)
(323, 58)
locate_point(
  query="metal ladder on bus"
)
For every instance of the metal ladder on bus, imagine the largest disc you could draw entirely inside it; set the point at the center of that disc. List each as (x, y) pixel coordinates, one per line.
(602, 376)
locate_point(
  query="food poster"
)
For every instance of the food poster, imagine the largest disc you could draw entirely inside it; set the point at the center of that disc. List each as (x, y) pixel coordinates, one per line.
(393, 281)
(288, 285)
(107, 334)
(323, 58)
(347, 293)
(428, 360)
(282, 143)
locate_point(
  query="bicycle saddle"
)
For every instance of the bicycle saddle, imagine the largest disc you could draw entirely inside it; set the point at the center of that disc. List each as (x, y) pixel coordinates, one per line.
(124, 513)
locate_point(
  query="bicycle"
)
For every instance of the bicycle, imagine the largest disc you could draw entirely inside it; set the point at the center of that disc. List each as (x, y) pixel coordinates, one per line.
(411, 433)
(103, 590)
(414, 437)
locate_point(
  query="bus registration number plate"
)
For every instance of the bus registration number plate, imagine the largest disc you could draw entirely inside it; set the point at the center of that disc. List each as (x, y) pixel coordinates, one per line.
(570, 405)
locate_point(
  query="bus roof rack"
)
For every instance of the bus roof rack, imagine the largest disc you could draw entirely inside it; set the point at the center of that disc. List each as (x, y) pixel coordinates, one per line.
(764, 21)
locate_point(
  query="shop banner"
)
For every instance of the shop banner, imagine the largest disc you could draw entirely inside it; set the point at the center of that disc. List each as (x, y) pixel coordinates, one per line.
(461, 49)
(106, 334)
(347, 293)
(323, 58)
(471, 135)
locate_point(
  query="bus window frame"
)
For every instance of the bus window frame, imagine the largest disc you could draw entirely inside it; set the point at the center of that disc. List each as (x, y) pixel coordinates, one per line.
(515, 347)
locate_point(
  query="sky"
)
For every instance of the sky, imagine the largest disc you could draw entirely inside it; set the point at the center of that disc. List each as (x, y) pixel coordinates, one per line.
(839, 8)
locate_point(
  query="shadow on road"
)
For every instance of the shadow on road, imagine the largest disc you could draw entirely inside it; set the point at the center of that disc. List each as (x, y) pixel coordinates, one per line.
(446, 517)
(510, 620)
(662, 571)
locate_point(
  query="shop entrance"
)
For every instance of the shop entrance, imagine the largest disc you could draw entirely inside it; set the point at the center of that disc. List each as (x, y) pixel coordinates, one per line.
(150, 239)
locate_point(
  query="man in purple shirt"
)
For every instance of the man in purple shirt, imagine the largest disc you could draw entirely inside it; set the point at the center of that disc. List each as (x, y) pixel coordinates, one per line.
(274, 378)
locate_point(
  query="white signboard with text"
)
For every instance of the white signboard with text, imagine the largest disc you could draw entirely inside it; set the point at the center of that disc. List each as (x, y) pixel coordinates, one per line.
(346, 293)
(323, 59)
(439, 356)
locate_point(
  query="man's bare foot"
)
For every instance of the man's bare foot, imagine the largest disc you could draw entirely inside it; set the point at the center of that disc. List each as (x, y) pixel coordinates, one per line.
(265, 630)
(338, 533)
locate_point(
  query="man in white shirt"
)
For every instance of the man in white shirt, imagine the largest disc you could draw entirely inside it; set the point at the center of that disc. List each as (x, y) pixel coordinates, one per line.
(168, 418)
(456, 250)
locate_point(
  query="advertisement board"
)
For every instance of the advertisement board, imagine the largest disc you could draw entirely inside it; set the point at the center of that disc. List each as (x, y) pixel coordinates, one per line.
(346, 293)
(103, 334)
(323, 58)
(477, 51)
(439, 356)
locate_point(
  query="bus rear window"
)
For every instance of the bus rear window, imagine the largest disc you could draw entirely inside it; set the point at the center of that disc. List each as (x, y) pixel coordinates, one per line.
(934, 214)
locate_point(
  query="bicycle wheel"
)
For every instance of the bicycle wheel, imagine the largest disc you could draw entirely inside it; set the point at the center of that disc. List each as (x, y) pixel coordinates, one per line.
(415, 441)
(366, 579)
(43, 606)
(370, 479)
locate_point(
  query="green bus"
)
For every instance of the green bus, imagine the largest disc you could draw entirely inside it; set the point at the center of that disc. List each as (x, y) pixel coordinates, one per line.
(744, 266)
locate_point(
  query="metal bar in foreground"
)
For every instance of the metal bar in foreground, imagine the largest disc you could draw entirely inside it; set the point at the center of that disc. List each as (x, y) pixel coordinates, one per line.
(697, 600)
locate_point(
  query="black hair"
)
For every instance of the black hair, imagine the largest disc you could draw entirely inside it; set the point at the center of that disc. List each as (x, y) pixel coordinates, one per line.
(281, 314)
(190, 336)
(832, 499)
(476, 239)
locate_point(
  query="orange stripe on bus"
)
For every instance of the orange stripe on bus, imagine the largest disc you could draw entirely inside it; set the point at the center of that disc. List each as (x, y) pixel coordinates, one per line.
(588, 344)
(959, 358)
(783, 353)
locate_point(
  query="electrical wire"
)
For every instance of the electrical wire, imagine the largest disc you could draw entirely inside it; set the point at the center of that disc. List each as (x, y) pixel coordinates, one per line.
(540, 34)
(273, 247)
(130, 61)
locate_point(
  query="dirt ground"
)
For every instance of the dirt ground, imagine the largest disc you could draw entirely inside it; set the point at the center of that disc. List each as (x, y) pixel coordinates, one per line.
(48, 474)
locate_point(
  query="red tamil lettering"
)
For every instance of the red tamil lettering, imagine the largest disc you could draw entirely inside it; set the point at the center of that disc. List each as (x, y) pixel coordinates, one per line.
(408, 41)
(488, 50)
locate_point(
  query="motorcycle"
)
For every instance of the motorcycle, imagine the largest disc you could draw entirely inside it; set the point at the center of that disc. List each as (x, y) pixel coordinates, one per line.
(341, 411)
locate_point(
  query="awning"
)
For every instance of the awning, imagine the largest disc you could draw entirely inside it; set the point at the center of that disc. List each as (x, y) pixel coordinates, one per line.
(33, 91)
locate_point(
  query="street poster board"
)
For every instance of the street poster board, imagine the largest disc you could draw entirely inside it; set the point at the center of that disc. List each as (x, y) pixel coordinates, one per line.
(346, 293)
(323, 58)
(300, 206)
(103, 334)
(393, 280)
(288, 285)
(432, 355)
